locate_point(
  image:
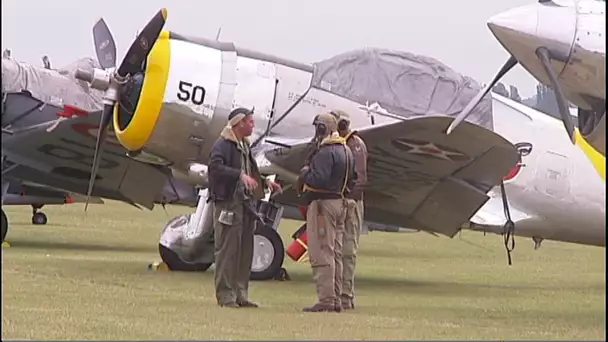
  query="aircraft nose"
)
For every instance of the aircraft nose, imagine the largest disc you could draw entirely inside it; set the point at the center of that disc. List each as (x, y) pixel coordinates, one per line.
(524, 29)
(521, 21)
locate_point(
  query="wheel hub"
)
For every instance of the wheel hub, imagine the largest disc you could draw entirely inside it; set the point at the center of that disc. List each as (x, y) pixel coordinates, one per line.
(263, 253)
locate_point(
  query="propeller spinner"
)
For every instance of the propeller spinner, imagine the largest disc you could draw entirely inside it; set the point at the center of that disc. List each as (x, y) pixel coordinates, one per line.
(112, 80)
(540, 48)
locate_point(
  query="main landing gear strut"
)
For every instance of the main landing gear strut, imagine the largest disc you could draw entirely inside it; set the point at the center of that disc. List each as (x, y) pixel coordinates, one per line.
(187, 243)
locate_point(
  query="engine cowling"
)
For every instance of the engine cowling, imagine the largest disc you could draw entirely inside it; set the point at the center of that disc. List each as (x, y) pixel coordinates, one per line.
(173, 110)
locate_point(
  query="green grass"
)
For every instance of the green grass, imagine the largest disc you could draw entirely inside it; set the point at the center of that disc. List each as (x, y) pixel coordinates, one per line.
(78, 278)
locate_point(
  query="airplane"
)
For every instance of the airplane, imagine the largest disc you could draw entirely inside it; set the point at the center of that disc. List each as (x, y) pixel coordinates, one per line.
(14, 191)
(169, 99)
(37, 196)
(49, 162)
(554, 192)
(562, 44)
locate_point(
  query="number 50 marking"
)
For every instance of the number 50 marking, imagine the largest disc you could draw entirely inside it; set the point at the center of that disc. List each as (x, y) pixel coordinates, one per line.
(188, 92)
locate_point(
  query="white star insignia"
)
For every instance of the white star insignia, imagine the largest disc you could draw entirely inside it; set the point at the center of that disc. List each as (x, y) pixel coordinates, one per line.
(430, 149)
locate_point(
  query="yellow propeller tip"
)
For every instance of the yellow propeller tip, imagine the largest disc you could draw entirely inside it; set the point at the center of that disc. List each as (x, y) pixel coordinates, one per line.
(164, 13)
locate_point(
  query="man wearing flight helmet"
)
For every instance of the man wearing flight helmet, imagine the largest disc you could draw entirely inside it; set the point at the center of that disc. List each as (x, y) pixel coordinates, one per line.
(312, 148)
(354, 208)
(324, 184)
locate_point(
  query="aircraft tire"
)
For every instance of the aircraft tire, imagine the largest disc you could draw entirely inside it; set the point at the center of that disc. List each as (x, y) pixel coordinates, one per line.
(267, 241)
(176, 264)
(39, 219)
(4, 225)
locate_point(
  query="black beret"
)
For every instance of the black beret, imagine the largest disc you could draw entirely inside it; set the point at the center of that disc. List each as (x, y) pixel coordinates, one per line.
(239, 110)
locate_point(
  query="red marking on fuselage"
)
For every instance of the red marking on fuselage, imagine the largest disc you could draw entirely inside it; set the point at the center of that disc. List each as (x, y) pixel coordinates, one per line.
(70, 111)
(513, 172)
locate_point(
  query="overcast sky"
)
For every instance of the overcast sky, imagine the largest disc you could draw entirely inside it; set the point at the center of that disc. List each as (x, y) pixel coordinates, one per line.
(453, 32)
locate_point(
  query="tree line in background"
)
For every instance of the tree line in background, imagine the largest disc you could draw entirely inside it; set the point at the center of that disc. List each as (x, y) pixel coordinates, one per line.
(544, 100)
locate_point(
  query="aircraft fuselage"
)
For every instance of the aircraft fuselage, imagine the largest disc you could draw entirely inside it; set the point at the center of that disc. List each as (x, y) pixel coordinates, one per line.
(557, 194)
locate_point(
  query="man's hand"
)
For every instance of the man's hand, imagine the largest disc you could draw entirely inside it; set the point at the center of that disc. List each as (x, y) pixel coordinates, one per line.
(274, 186)
(249, 182)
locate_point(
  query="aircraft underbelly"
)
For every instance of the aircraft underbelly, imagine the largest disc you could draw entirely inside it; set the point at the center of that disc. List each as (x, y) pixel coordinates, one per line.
(556, 219)
(15, 199)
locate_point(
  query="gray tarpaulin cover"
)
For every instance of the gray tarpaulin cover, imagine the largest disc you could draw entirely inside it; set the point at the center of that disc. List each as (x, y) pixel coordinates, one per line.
(53, 86)
(402, 83)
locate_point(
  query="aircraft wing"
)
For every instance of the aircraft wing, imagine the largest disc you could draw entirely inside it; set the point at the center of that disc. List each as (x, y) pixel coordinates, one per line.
(419, 177)
(30, 193)
(34, 189)
(61, 157)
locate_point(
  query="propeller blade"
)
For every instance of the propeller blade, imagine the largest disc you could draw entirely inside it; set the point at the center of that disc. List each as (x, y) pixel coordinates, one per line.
(105, 47)
(511, 62)
(139, 50)
(544, 56)
(106, 118)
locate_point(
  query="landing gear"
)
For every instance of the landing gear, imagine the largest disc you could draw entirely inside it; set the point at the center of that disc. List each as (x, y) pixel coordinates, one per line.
(174, 263)
(537, 242)
(4, 221)
(38, 217)
(187, 243)
(268, 248)
(268, 254)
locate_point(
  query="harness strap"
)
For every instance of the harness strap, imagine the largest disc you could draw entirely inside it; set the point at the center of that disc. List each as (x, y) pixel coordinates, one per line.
(345, 171)
(342, 142)
(349, 135)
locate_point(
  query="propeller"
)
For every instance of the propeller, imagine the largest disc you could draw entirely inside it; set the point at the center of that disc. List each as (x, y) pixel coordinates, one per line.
(105, 47)
(112, 80)
(509, 64)
(544, 55)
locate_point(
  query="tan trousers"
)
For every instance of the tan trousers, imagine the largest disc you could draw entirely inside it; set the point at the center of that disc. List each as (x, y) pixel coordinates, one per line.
(233, 252)
(352, 231)
(325, 228)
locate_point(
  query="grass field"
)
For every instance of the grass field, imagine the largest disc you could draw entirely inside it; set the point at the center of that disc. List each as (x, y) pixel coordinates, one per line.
(78, 278)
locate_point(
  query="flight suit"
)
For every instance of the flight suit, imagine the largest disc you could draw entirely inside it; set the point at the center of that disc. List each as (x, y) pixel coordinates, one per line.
(325, 181)
(354, 219)
(233, 233)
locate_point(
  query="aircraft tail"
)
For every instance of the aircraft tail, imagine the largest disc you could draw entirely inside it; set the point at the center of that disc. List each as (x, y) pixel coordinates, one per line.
(596, 158)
